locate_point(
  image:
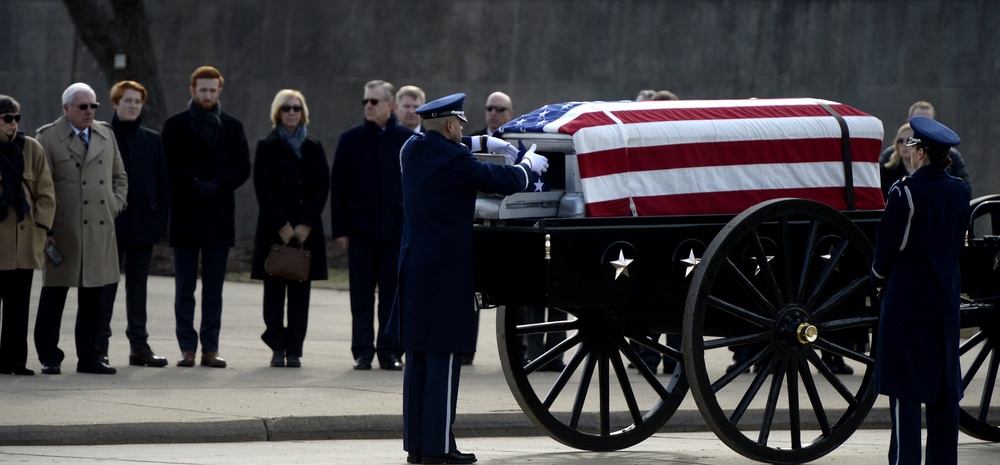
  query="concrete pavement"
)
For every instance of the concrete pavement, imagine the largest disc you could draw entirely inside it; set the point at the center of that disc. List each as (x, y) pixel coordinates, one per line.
(248, 400)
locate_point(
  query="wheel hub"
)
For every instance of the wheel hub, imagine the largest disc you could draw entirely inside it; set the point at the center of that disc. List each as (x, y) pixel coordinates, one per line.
(793, 331)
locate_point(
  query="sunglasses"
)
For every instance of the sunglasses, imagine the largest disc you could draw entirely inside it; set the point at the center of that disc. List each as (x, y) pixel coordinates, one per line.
(85, 106)
(288, 108)
(8, 118)
(496, 108)
(373, 101)
(900, 140)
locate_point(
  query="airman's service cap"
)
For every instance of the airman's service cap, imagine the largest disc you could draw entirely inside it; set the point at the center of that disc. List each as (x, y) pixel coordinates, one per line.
(445, 106)
(930, 132)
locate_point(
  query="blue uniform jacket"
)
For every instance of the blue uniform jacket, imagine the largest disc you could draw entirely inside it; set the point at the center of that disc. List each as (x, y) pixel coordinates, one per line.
(920, 238)
(434, 309)
(366, 201)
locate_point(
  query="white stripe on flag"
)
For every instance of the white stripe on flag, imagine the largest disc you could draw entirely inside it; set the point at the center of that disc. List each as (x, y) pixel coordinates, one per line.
(609, 137)
(726, 178)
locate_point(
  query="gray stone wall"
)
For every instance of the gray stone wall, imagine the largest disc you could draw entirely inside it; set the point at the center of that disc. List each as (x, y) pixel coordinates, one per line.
(876, 55)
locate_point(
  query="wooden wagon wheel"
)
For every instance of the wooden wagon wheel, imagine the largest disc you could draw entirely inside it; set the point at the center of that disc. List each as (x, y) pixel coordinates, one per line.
(808, 295)
(977, 417)
(618, 409)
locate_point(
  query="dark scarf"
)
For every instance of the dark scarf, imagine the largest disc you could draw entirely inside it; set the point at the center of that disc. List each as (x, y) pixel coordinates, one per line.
(206, 123)
(294, 140)
(12, 177)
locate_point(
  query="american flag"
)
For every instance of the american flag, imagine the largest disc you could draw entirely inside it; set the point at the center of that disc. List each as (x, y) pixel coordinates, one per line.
(712, 156)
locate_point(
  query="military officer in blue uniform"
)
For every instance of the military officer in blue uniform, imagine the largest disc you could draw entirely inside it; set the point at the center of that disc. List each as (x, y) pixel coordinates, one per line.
(433, 312)
(920, 237)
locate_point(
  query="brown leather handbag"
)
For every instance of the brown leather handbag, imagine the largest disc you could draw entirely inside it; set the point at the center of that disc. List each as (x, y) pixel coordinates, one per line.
(289, 263)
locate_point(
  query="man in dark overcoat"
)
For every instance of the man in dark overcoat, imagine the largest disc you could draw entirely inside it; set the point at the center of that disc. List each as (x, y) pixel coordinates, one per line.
(366, 220)
(208, 159)
(920, 238)
(433, 312)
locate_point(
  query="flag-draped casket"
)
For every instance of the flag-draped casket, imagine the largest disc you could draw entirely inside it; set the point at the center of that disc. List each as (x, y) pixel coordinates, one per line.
(692, 157)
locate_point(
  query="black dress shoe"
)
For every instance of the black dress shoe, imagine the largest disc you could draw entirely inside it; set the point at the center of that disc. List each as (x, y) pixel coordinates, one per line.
(451, 457)
(148, 359)
(467, 359)
(392, 364)
(837, 366)
(278, 358)
(362, 364)
(17, 371)
(104, 359)
(412, 458)
(99, 368)
(294, 362)
(51, 369)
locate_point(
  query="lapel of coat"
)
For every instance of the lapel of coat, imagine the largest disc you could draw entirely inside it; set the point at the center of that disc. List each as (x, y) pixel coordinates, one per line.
(68, 138)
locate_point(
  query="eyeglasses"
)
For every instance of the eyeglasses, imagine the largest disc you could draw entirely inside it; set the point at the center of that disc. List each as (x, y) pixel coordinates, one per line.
(84, 106)
(373, 101)
(288, 108)
(8, 118)
(496, 108)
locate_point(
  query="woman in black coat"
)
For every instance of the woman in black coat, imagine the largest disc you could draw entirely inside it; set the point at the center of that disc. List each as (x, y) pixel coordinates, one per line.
(292, 179)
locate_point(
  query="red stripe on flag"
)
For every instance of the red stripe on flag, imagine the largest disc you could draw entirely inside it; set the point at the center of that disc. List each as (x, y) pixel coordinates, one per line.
(663, 157)
(737, 201)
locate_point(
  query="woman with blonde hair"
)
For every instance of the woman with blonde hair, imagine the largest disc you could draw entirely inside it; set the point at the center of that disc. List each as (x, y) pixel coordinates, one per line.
(898, 164)
(291, 178)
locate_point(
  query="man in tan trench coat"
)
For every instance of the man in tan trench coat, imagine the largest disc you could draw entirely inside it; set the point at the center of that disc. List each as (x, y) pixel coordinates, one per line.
(91, 188)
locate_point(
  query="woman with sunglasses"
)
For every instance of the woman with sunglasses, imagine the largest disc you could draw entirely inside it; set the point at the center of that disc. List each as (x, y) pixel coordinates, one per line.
(291, 178)
(898, 164)
(27, 206)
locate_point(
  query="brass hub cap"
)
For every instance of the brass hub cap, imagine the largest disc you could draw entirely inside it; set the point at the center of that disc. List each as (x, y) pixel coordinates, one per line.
(807, 333)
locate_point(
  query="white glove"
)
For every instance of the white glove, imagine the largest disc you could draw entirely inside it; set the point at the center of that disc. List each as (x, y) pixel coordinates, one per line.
(537, 163)
(502, 147)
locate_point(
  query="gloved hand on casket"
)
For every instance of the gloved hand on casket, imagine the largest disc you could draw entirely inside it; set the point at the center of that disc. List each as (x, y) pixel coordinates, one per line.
(537, 163)
(501, 147)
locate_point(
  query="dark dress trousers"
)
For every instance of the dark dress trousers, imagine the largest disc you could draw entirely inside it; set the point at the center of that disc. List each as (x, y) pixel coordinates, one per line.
(293, 191)
(203, 174)
(433, 313)
(919, 240)
(366, 205)
(138, 228)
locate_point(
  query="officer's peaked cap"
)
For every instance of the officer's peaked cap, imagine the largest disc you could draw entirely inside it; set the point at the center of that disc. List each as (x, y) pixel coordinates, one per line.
(930, 132)
(445, 106)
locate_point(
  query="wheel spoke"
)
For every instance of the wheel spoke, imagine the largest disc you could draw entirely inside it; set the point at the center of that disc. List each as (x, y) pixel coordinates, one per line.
(737, 340)
(740, 312)
(824, 276)
(626, 386)
(548, 327)
(976, 364)
(765, 265)
(794, 421)
(807, 259)
(991, 379)
(654, 344)
(581, 393)
(854, 322)
(971, 342)
(647, 374)
(777, 380)
(552, 354)
(604, 382)
(838, 349)
(752, 390)
(750, 289)
(727, 378)
(832, 379)
(564, 377)
(814, 398)
(838, 297)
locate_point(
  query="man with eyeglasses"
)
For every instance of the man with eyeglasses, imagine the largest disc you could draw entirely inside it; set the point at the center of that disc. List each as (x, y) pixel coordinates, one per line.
(366, 220)
(499, 110)
(91, 190)
(207, 160)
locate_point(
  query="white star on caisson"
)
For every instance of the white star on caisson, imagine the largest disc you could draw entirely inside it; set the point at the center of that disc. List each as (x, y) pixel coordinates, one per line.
(691, 261)
(757, 271)
(621, 265)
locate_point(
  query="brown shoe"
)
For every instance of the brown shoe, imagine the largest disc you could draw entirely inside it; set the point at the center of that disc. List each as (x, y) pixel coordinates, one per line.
(186, 360)
(212, 359)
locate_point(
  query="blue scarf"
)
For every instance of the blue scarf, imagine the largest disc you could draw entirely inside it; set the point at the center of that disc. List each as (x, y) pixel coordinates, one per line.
(294, 140)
